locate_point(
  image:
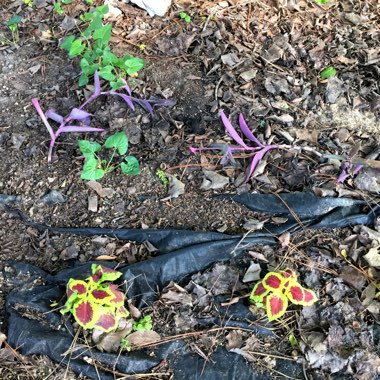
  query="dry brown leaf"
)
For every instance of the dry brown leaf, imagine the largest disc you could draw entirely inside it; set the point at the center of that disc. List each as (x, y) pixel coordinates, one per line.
(143, 337)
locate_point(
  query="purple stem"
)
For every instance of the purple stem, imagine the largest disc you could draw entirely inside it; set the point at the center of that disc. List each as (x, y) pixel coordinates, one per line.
(43, 117)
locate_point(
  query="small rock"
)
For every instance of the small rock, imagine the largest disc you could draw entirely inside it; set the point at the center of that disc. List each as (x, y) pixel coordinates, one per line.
(353, 18)
(368, 179)
(17, 140)
(333, 90)
(93, 203)
(53, 197)
(70, 252)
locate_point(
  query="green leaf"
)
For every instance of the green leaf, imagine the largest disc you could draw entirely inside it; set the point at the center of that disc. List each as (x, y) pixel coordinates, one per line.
(115, 85)
(133, 65)
(67, 1)
(14, 20)
(321, 2)
(293, 341)
(103, 34)
(83, 80)
(118, 141)
(109, 58)
(88, 148)
(91, 170)
(58, 8)
(328, 72)
(106, 73)
(132, 167)
(95, 24)
(76, 48)
(103, 9)
(66, 44)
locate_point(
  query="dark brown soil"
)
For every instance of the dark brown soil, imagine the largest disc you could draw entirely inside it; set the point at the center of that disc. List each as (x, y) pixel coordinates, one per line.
(287, 46)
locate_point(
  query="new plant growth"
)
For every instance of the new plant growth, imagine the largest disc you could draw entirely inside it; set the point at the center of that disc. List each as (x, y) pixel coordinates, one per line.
(258, 150)
(185, 16)
(95, 167)
(277, 288)
(328, 72)
(144, 323)
(12, 25)
(82, 119)
(163, 177)
(93, 47)
(96, 302)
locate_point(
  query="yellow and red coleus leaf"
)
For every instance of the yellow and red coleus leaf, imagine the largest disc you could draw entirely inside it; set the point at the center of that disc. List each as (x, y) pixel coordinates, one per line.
(107, 320)
(122, 312)
(273, 281)
(86, 313)
(118, 297)
(78, 286)
(276, 305)
(377, 295)
(258, 293)
(102, 296)
(295, 293)
(309, 297)
(101, 273)
(289, 273)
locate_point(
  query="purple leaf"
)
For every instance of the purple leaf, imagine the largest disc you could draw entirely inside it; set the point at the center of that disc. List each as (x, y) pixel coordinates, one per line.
(43, 117)
(163, 102)
(97, 84)
(357, 169)
(78, 114)
(247, 132)
(77, 128)
(144, 103)
(256, 159)
(50, 114)
(87, 121)
(231, 130)
(126, 98)
(126, 87)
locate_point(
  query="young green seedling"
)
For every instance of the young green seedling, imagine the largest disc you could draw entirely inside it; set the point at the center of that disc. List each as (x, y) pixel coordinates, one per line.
(185, 16)
(95, 302)
(328, 72)
(277, 288)
(12, 25)
(93, 47)
(95, 167)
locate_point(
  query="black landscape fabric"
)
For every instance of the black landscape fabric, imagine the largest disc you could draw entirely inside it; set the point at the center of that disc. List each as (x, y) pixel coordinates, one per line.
(180, 254)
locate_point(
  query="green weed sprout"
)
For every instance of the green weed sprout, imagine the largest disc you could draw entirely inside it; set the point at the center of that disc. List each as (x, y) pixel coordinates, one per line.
(96, 302)
(277, 288)
(12, 25)
(95, 167)
(163, 177)
(29, 3)
(185, 16)
(328, 72)
(143, 324)
(93, 47)
(322, 2)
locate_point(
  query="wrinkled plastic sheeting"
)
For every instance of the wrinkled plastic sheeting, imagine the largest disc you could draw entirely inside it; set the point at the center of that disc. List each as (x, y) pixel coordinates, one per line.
(180, 254)
(46, 334)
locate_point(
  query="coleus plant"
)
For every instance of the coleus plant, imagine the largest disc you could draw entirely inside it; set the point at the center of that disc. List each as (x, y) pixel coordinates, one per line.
(277, 288)
(82, 118)
(95, 302)
(258, 149)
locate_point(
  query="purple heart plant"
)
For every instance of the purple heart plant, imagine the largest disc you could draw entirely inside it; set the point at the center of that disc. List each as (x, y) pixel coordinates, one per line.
(82, 118)
(257, 149)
